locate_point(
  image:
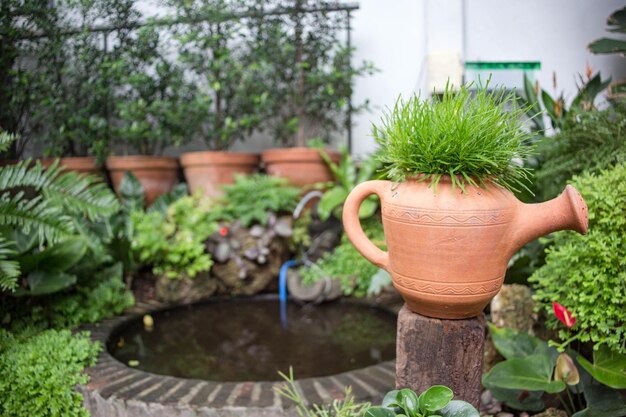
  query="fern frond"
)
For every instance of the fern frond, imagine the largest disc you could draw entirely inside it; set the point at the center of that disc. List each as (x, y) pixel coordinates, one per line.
(81, 194)
(9, 268)
(6, 139)
(35, 214)
(23, 175)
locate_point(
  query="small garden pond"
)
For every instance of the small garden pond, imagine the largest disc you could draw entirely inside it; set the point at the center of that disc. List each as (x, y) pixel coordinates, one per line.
(246, 340)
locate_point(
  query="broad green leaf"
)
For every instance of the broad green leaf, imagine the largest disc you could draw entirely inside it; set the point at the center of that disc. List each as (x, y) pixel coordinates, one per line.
(607, 46)
(57, 258)
(513, 398)
(435, 398)
(368, 207)
(379, 412)
(608, 368)
(391, 399)
(513, 344)
(43, 282)
(458, 408)
(531, 373)
(531, 97)
(409, 401)
(550, 106)
(331, 199)
(602, 402)
(347, 170)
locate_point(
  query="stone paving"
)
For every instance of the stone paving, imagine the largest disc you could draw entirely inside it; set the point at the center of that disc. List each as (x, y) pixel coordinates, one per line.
(116, 390)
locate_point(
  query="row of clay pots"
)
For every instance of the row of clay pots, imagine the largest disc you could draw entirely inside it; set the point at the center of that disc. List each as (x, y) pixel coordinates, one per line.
(208, 170)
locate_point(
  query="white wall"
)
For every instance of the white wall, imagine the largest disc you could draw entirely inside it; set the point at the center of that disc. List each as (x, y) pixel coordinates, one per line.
(398, 35)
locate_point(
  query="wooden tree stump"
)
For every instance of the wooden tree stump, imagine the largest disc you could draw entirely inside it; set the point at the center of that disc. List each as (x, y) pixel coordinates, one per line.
(432, 351)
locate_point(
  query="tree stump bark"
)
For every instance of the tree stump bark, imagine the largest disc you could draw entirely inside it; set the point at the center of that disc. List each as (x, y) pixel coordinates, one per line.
(432, 351)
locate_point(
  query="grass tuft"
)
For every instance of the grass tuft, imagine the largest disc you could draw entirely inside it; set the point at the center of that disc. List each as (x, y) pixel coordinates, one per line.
(472, 136)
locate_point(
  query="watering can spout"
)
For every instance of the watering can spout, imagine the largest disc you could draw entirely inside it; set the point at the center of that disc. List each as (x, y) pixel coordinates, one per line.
(568, 211)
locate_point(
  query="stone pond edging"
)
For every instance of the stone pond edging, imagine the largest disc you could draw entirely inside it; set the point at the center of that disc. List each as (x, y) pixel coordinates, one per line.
(117, 390)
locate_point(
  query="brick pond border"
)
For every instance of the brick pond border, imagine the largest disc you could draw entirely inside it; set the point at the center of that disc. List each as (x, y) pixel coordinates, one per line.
(117, 390)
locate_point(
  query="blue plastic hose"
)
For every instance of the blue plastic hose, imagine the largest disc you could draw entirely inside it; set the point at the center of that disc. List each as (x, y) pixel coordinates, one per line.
(282, 289)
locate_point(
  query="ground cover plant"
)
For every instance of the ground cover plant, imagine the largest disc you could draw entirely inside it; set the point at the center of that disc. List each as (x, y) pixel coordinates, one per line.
(472, 136)
(39, 373)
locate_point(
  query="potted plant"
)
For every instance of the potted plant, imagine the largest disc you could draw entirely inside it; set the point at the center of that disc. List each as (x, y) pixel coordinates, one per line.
(157, 107)
(310, 88)
(450, 219)
(214, 53)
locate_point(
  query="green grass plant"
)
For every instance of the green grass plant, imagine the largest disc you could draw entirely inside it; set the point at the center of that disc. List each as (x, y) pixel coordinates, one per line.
(472, 136)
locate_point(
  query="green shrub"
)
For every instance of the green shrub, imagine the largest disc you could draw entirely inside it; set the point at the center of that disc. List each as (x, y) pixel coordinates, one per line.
(471, 136)
(251, 197)
(173, 244)
(100, 296)
(588, 141)
(39, 373)
(586, 274)
(347, 264)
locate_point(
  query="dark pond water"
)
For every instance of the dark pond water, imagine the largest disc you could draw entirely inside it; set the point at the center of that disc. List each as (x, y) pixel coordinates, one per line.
(246, 340)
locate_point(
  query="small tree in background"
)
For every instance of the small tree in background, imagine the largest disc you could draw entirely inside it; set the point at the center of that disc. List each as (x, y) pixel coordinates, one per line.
(312, 79)
(214, 52)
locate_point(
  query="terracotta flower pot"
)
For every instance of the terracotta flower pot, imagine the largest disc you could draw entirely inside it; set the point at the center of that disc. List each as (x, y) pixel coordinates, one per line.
(212, 169)
(80, 164)
(157, 174)
(448, 251)
(301, 166)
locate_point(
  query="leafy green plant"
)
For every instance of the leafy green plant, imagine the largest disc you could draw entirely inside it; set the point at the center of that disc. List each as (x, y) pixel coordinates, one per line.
(567, 154)
(617, 23)
(347, 265)
(471, 136)
(39, 373)
(99, 293)
(117, 230)
(252, 197)
(173, 243)
(584, 273)
(533, 368)
(538, 101)
(158, 106)
(339, 408)
(215, 52)
(311, 78)
(436, 401)
(40, 211)
(347, 176)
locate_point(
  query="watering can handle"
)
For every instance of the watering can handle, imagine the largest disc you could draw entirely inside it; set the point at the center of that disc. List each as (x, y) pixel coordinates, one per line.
(352, 224)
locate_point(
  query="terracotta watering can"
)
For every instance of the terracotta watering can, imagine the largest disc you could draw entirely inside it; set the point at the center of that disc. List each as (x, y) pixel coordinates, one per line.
(447, 252)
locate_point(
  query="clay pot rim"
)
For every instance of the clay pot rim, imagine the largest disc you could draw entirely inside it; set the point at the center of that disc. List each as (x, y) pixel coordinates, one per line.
(114, 163)
(204, 158)
(299, 154)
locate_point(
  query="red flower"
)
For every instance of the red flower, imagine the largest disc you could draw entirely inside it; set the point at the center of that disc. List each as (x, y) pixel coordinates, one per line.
(563, 314)
(224, 231)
